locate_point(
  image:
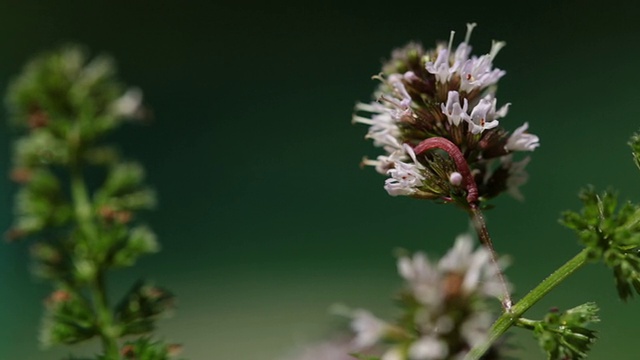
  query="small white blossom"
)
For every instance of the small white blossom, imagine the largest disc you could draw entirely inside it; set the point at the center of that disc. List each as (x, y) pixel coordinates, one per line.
(428, 348)
(384, 163)
(476, 328)
(368, 328)
(396, 81)
(405, 177)
(479, 274)
(484, 115)
(423, 278)
(440, 68)
(521, 140)
(454, 112)
(477, 72)
(383, 128)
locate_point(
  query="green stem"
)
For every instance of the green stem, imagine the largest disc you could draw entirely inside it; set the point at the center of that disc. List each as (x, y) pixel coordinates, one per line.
(84, 216)
(508, 319)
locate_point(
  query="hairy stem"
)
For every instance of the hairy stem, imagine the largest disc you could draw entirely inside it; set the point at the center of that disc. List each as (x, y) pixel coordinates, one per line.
(510, 318)
(483, 233)
(85, 219)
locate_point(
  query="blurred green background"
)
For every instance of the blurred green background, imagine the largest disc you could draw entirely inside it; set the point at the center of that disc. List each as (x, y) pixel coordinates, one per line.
(265, 217)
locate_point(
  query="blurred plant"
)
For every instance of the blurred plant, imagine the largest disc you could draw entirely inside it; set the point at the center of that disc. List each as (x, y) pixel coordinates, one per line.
(435, 115)
(78, 200)
(445, 307)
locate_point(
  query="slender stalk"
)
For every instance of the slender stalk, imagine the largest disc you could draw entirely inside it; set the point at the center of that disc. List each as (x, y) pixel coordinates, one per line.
(510, 318)
(481, 228)
(97, 288)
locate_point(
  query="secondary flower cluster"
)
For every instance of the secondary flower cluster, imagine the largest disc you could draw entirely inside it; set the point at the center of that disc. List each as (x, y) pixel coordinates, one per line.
(442, 93)
(445, 309)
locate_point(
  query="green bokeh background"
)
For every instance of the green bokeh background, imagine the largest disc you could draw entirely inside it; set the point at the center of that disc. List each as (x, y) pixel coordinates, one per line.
(265, 217)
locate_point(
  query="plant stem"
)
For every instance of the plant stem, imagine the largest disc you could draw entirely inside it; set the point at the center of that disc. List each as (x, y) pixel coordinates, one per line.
(508, 319)
(84, 217)
(481, 228)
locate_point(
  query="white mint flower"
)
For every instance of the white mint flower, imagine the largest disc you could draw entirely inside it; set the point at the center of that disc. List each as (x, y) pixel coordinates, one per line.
(395, 80)
(368, 328)
(521, 140)
(479, 274)
(484, 115)
(476, 328)
(423, 278)
(384, 163)
(478, 72)
(428, 348)
(440, 68)
(383, 129)
(454, 112)
(405, 177)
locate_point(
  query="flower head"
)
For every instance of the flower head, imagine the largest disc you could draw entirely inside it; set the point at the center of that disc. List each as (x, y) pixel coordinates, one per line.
(444, 305)
(447, 93)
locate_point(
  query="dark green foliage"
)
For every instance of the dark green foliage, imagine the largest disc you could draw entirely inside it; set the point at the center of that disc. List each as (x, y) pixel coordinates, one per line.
(67, 92)
(611, 234)
(68, 319)
(147, 349)
(141, 307)
(66, 103)
(41, 203)
(563, 336)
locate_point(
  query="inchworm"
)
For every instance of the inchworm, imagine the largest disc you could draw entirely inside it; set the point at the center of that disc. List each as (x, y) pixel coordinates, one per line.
(455, 154)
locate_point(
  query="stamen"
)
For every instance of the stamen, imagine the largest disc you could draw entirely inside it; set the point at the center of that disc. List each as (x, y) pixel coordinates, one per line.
(367, 107)
(470, 27)
(361, 120)
(368, 162)
(495, 48)
(450, 42)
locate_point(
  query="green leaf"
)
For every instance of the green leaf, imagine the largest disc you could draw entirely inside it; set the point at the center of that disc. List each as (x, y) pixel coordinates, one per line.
(564, 336)
(68, 319)
(140, 241)
(611, 234)
(141, 307)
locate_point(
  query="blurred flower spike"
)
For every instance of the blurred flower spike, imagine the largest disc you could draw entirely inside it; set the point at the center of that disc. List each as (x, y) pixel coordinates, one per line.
(449, 94)
(445, 308)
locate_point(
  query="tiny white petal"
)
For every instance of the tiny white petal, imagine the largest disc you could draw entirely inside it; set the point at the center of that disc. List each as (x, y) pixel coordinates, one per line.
(428, 348)
(394, 353)
(520, 140)
(368, 328)
(454, 112)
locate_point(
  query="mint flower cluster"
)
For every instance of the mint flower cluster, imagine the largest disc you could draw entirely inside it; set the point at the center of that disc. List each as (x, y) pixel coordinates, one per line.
(445, 307)
(447, 94)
